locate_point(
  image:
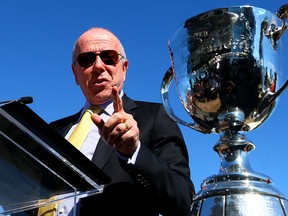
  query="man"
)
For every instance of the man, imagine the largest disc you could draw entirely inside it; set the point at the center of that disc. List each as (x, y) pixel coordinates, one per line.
(135, 143)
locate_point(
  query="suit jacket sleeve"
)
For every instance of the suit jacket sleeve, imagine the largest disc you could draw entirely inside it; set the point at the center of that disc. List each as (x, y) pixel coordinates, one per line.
(162, 164)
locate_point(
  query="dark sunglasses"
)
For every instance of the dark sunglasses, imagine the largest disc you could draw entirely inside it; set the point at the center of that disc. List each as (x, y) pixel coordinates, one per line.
(108, 57)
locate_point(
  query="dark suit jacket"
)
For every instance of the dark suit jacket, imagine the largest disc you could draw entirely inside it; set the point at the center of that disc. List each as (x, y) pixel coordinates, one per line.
(159, 182)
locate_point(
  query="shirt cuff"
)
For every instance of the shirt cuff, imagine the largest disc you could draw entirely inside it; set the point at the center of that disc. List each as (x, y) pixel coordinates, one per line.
(131, 160)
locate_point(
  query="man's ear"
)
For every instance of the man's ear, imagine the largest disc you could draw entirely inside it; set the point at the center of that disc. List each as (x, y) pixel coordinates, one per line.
(125, 66)
(75, 73)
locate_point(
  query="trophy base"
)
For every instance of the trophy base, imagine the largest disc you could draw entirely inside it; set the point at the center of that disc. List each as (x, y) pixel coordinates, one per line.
(241, 204)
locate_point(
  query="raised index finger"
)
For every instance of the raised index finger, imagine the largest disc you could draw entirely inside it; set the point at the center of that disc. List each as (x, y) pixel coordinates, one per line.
(117, 101)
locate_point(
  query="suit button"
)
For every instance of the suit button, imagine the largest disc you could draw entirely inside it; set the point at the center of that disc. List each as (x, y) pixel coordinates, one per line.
(142, 180)
(61, 211)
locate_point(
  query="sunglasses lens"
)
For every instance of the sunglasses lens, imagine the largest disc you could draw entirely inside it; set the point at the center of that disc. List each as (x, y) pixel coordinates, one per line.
(86, 59)
(109, 57)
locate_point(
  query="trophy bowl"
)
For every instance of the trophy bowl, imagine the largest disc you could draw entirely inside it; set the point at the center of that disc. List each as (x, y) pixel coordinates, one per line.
(226, 64)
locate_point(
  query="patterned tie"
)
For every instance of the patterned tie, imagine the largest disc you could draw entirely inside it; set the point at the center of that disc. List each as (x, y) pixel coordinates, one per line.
(77, 139)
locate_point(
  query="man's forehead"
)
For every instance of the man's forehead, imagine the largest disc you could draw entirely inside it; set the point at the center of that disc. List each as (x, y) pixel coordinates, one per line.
(96, 40)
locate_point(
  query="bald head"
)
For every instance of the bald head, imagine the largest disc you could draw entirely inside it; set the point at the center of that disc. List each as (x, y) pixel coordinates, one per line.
(96, 34)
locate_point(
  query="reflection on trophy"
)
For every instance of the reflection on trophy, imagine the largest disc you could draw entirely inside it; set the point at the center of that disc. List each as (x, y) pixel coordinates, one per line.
(226, 64)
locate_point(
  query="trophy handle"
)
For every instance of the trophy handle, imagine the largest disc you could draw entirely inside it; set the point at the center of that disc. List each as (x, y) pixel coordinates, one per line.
(165, 100)
(275, 33)
(269, 99)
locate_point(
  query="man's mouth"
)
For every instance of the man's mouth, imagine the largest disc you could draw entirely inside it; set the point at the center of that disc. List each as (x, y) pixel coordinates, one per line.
(100, 81)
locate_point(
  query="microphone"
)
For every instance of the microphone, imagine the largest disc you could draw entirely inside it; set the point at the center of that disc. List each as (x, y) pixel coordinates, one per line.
(24, 100)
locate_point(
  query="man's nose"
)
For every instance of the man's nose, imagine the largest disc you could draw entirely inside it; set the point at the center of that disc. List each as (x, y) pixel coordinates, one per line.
(98, 64)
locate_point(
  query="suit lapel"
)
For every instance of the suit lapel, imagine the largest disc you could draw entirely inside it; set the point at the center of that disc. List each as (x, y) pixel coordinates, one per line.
(129, 105)
(102, 153)
(64, 125)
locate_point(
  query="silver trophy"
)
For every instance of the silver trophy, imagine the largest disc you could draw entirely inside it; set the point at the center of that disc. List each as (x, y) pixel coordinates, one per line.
(226, 64)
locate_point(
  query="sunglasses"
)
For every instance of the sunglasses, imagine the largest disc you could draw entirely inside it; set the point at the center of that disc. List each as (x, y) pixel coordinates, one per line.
(108, 57)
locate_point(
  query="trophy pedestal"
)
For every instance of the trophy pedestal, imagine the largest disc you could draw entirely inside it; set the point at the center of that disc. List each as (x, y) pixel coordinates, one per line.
(237, 190)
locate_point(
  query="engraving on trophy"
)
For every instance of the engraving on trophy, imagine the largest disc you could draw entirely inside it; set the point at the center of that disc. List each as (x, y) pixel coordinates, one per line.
(266, 205)
(225, 63)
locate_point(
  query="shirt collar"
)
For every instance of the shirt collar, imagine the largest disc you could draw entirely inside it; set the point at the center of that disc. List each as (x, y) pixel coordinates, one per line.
(107, 107)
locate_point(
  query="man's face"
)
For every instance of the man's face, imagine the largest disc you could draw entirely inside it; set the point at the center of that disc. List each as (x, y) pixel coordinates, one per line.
(96, 81)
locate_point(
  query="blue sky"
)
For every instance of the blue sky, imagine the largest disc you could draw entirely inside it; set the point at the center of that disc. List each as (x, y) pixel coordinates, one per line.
(35, 58)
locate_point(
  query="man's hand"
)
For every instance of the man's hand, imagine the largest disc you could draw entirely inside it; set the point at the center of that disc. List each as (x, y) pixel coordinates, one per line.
(121, 130)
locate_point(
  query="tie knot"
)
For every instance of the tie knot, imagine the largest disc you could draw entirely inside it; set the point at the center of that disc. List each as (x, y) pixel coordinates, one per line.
(94, 109)
(89, 111)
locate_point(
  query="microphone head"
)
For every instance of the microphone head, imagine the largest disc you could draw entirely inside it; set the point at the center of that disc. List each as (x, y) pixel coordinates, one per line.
(25, 100)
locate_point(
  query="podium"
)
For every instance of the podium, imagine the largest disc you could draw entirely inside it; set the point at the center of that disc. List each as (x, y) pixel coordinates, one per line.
(37, 163)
